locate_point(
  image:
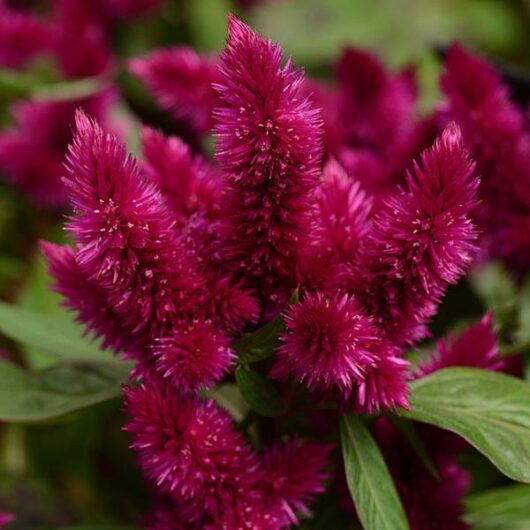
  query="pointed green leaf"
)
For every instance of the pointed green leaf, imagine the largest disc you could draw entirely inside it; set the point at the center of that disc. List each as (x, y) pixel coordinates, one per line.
(490, 410)
(258, 392)
(372, 489)
(261, 343)
(54, 334)
(506, 508)
(38, 396)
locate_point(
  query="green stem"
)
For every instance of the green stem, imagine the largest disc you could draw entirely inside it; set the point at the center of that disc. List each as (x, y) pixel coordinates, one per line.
(514, 349)
(13, 448)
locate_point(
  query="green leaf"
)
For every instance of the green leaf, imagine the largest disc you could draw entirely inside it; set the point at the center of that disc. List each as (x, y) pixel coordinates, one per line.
(39, 396)
(506, 508)
(258, 392)
(372, 489)
(56, 335)
(230, 398)
(490, 410)
(261, 343)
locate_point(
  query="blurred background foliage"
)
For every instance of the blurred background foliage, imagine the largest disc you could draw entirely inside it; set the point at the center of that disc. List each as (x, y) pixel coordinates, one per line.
(76, 472)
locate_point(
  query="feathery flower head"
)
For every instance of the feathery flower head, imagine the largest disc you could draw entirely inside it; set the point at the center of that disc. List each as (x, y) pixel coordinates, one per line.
(5, 519)
(32, 151)
(22, 37)
(422, 239)
(269, 145)
(86, 298)
(494, 130)
(384, 386)
(295, 473)
(187, 447)
(180, 80)
(125, 241)
(194, 356)
(330, 344)
(188, 182)
(343, 212)
(476, 346)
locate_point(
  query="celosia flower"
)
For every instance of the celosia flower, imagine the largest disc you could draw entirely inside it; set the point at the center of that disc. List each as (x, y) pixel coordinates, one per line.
(494, 130)
(331, 344)
(476, 346)
(189, 183)
(181, 82)
(129, 8)
(5, 519)
(80, 39)
(269, 147)
(343, 213)
(376, 127)
(430, 503)
(32, 152)
(22, 37)
(295, 473)
(85, 298)
(421, 240)
(193, 355)
(187, 447)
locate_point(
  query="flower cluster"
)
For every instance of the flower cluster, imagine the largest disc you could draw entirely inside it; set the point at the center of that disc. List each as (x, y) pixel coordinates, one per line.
(345, 195)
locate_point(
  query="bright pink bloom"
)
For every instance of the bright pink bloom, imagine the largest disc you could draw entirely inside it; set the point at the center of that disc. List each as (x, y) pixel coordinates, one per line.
(269, 147)
(85, 298)
(181, 80)
(476, 346)
(80, 39)
(188, 447)
(22, 37)
(422, 239)
(32, 152)
(332, 345)
(295, 472)
(5, 519)
(193, 356)
(343, 213)
(188, 181)
(494, 130)
(378, 132)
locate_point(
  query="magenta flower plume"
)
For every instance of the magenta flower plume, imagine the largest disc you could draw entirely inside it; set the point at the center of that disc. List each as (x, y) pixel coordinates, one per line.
(269, 145)
(330, 345)
(343, 213)
(32, 151)
(85, 298)
(181, 80)
(22, 37)
(384, 386)
(477, 346)
(295, 472)
(189, 183)
(194, 354)
(125, 240)
(421, 240)
(376, 127)
(80, 39)
(494, 129)
(5, 519)
(187, 447)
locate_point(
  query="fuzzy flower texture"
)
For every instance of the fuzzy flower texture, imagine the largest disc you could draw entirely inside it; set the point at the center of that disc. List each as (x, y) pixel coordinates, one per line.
(175, 256)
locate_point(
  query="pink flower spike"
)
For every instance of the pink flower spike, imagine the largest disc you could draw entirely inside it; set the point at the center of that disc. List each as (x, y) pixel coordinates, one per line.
(269, 145)
(477, 346)
(189, 182)
(295, 473)
(329, 345)
(421, 240)
(180, 80)
(187, 447)
(194, 356)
